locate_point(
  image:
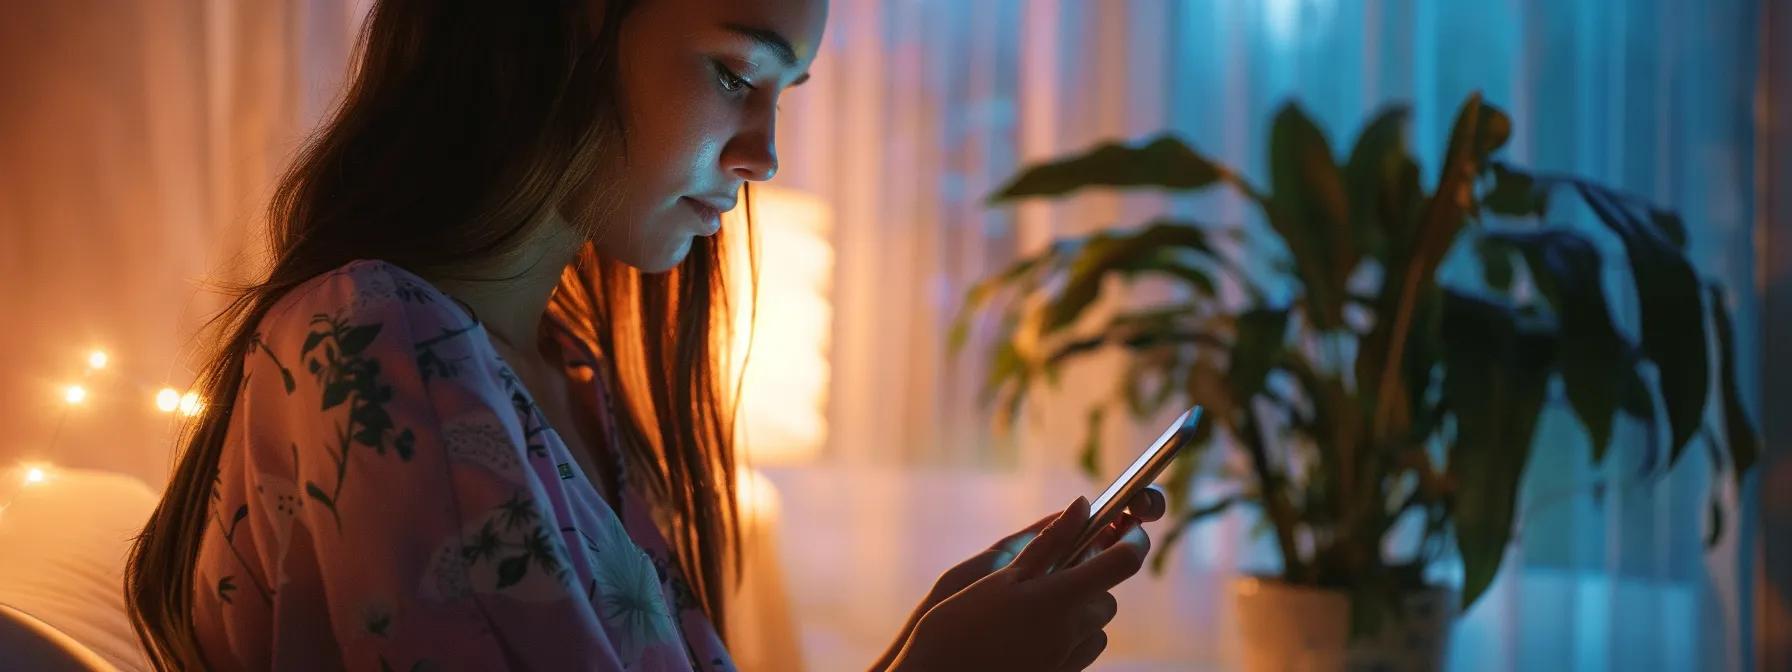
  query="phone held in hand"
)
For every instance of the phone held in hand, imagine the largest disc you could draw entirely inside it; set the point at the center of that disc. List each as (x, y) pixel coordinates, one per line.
(1134, 480)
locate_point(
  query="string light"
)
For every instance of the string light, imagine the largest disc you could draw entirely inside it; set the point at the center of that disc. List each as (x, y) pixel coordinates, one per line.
(167, 400)
(75, 394)
(34, 475)
(191, 404)
(97, 360)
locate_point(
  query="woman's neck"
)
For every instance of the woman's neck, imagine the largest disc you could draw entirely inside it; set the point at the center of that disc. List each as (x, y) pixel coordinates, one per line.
(511, 294)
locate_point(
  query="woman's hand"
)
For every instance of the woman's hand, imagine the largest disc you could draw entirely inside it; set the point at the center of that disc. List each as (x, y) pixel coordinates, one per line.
(1145, 507)
(1020, 617)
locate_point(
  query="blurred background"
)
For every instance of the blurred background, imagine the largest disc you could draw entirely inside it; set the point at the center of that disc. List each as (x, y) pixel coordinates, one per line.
(138, 140)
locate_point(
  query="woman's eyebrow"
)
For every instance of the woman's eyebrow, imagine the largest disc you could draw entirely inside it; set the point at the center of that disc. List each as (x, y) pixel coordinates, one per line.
(770, 39)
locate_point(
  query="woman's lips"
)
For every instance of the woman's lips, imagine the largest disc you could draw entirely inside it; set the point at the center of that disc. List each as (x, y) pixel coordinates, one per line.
(707, 215)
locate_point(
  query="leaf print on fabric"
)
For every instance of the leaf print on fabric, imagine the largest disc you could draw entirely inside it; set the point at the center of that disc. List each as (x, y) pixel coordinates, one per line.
(629, 599)
(482, 440)
(256, 343)
(229, 531)
(526, 411)
(512, 550)
(333, 353)
(436, 365)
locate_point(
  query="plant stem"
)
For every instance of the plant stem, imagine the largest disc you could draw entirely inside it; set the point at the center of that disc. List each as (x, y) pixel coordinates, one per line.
(1275, 502)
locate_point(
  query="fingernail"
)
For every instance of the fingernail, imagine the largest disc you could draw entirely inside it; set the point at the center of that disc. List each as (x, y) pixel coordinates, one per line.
(1079, 501)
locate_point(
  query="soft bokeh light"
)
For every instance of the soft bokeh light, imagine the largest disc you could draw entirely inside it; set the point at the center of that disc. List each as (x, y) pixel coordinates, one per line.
(784, 386)
(97, 360)
(34, 475)
(75, 394)
(167, 400)
(191, 404)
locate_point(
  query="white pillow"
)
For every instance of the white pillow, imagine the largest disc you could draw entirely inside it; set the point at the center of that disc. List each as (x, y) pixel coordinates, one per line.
(63, 543)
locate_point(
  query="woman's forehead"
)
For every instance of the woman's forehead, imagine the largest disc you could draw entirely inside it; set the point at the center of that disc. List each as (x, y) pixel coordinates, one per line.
(795, 25)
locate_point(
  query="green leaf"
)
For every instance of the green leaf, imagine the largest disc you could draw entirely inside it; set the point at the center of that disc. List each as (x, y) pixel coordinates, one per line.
(1260, 340)
(1514, 194)
(1670, 226)
(1636, 400)
(1496, 263)
(1076, 298)
(511, 570)
(1495, 379)
(1411, 274)
(1163, 162)
(358, 339)
(1739, 433)
(1372, 174)
(318, 494)
(1311, 211)
(1493, 130)
(1021, 274)
(1090, 459)
(1672, 316)
(1207, 387)
(1595, 358)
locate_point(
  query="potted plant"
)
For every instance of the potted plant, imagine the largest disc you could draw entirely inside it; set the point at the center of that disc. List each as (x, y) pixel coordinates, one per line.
(1372, 392)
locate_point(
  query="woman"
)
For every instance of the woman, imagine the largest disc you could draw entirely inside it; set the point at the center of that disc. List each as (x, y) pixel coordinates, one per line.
(412, 460)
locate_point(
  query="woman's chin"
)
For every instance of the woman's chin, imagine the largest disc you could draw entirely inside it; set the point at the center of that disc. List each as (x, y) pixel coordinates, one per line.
(664, 260)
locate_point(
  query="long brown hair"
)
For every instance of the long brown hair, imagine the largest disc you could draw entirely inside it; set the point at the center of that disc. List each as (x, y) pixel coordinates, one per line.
(464, 124)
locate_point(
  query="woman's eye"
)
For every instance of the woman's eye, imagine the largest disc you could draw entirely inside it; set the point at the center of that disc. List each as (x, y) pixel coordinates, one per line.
(730, 82)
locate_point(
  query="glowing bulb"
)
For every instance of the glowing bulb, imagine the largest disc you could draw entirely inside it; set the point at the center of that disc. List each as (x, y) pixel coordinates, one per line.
(97, 360)
(75, 394)
(34, 475)
(167, 400)
(190, 405)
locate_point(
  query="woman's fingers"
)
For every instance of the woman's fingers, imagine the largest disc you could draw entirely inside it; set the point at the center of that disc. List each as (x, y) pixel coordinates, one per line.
(1086, 652)
(1053, 542)
(1149, 505)
(1096, 613)
(1107, 569)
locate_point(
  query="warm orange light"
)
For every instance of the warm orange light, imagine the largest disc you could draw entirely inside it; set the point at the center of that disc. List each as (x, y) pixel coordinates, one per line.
(191, 404)
(75, 394)
(97, 360)
(784, 384)
(167, 400)
(34, 475)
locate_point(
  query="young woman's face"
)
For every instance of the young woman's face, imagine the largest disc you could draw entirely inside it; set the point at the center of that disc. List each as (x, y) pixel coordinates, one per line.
(700, 82)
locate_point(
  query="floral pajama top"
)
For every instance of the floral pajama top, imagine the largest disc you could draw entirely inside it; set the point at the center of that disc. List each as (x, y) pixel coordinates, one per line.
(389, 498)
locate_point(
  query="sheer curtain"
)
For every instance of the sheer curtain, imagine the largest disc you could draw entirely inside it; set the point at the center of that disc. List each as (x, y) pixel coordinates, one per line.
(919, 109)
(137, 142)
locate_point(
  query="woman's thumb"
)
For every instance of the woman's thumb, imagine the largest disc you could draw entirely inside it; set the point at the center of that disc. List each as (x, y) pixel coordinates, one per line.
(1053, 542)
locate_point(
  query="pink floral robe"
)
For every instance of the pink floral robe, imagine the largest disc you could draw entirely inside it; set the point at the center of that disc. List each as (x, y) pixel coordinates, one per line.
(389, 498)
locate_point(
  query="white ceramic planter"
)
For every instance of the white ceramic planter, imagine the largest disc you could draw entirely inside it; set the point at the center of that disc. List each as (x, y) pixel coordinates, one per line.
(1287, 628)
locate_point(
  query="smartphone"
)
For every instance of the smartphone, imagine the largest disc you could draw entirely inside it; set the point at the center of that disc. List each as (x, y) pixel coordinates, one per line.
(1140, 474)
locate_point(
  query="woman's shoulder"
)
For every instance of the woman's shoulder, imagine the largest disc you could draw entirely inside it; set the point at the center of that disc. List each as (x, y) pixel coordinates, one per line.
(365, 291)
